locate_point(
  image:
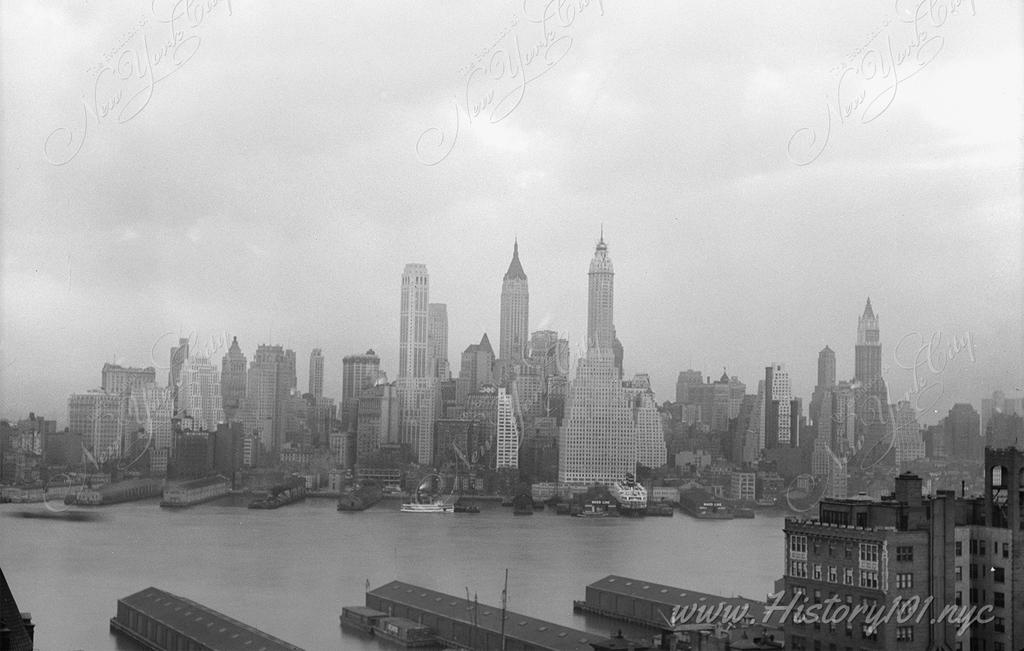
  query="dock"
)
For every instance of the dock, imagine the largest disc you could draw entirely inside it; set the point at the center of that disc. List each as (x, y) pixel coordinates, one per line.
(161, 621)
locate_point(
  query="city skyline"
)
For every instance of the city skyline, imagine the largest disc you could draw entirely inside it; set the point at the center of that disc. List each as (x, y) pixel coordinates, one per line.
(193, 346)
(288, 220)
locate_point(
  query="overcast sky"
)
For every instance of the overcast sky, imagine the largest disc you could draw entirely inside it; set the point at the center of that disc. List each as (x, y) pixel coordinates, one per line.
(271, 169)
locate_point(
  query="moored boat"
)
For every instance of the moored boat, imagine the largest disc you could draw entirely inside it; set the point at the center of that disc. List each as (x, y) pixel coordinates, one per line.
(630, 496)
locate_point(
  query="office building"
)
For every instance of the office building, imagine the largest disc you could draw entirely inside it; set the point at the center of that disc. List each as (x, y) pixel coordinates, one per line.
(358, 372)
(780, 409)
(507, 433)
(199, 393)
(233, 374)
(416, 387)
(316, 373)
(269, 385)
(437, 341)
(121, 379)
(515, 311)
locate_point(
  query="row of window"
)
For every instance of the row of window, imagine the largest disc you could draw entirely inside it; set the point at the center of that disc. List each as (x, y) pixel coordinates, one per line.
(978, 548)
(977, 570)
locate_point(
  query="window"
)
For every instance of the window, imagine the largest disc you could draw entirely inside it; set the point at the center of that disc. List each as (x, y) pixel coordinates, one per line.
(798, 543)
(958, 600)
(974, 571)
(798, 569)
(817, 572)
(848, 551)
(999, 625)
(904, 553)
(974, 547)
(869, 579)
(959, 548)
(873, 635)
(869, 553)
(1006, 550)
(959, 573)
(981, 547)
(904, 580)
(904, 633)
(833, 574)
(998, 599)
(848, 576)
(998, 575)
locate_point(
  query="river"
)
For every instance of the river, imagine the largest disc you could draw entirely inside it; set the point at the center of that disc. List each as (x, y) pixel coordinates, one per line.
(289, 571)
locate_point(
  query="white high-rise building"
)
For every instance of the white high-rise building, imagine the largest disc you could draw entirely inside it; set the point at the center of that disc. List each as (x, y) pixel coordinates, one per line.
(316, 373)
(101, 419)
(598, 439)
(830, 468)
(778, 394)
(651, 450)
(507, 439)
(199, 394)
(416, 387)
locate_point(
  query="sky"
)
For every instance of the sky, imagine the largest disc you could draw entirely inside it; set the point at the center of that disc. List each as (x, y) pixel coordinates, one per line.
(220, 169)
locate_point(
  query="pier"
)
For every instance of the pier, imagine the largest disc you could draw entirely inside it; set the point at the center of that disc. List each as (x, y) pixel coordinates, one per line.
(161, 621)
(459, 622)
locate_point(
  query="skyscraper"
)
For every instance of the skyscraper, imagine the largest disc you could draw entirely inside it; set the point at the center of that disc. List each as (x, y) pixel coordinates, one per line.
(179, 354)
(268, 387)
(826, 380)
(121, 379)
(232, 381)
(415, 384)
(316, 373)
(599, 440)
(507, 438)
(199, 393)
(358, 372)
(873, 426)
(778, 397)
(600, 306)
(908, 442)
(515, 310)
(651, 450)
(437, 340)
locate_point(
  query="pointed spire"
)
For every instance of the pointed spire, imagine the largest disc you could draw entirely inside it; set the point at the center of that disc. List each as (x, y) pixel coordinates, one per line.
(601, 246)
(868, 312)
(515, 268)
(485, 344)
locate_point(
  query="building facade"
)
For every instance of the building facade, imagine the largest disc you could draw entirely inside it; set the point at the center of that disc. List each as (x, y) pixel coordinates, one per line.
(515, 311)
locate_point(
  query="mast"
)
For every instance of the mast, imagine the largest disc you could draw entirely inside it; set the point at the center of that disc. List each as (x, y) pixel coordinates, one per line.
(504, 603)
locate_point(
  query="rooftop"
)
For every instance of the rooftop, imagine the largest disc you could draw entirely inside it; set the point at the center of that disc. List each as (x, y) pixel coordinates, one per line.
(207, 627)
(672, 596)
(535, 632)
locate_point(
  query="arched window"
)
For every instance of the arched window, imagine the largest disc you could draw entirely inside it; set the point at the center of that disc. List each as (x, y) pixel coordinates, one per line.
(998, 474)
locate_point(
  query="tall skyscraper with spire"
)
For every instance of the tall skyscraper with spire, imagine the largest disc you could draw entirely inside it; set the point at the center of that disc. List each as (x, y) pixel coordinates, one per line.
(874, 425)
(415, 384)
(600, 304)
(515, 310)
(232, 381)
(608, 427)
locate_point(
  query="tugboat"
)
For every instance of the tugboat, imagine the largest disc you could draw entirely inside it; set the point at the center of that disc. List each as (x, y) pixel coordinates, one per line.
(630, 496)
(522, 504)
(361, 497)
(289, 492)
(595, 509)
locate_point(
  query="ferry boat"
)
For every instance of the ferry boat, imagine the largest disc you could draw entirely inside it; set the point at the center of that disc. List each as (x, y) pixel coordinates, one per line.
(289, 492)
(630, 495)
(423, 502)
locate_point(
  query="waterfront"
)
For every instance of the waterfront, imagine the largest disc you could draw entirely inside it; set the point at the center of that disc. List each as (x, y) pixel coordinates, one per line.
(289, 571)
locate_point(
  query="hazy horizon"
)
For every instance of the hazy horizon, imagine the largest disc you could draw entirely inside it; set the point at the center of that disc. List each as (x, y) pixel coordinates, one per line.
(267, 175)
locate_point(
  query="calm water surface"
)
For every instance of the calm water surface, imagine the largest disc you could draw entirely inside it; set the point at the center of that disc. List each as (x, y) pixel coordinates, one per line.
(290, 571)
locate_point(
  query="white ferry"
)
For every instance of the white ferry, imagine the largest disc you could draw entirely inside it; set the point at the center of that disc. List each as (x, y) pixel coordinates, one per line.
(631, 496)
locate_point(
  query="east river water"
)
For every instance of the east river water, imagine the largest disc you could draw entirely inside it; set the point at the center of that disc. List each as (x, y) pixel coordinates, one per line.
(289, 571)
